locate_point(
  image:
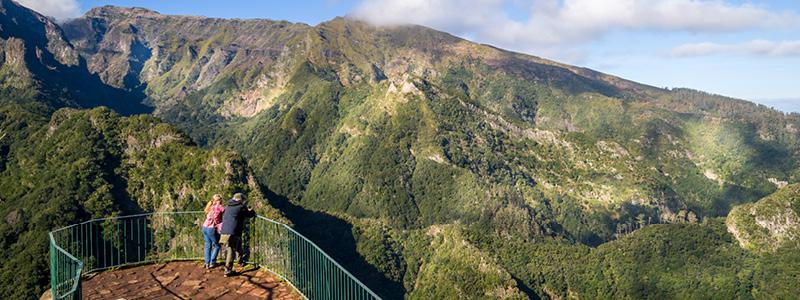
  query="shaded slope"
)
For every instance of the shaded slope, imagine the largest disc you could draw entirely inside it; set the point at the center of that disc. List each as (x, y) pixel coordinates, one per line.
(40, 63)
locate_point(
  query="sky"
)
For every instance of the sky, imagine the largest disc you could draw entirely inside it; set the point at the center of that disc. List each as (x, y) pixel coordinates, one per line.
(743, 49)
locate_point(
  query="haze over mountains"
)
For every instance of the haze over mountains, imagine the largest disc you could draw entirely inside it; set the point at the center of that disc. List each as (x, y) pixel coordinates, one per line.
(787, 104)
(430, 166)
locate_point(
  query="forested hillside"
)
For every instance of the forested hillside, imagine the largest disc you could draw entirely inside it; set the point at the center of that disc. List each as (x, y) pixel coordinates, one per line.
(770, 224)
(430, 166)
(81, 164)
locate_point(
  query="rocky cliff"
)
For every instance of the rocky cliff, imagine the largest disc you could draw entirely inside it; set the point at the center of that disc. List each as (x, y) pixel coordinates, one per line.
(428, 165)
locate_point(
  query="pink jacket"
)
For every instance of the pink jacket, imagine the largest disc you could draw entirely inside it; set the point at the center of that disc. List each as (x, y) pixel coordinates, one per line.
(214, 217)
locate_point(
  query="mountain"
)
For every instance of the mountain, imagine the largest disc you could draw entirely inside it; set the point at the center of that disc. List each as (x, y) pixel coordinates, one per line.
(434, 167)
(37, 63)
(329, 92)
(61, 164)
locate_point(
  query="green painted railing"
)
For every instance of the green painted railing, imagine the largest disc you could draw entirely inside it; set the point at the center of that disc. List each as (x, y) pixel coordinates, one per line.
(101, 244)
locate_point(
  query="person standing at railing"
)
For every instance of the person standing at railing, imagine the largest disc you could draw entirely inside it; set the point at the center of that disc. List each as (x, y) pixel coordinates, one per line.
(232, 225)
(211, 229)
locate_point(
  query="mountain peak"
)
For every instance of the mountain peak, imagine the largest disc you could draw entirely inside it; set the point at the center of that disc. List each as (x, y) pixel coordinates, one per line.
(118, 11)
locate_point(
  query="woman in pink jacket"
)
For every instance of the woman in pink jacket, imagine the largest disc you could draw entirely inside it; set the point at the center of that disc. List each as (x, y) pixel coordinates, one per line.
(211, 228)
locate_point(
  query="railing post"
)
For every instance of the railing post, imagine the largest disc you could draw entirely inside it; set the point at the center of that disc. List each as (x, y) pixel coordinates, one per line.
(52, 267)
(273, 246)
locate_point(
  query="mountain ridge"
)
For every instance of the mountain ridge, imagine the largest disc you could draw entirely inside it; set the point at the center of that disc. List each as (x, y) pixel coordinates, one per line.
(620, 83)
(391, 146)
(406, 128)
(53, 70)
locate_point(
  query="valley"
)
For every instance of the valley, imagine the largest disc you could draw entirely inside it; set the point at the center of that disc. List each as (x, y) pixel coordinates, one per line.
(429, 165)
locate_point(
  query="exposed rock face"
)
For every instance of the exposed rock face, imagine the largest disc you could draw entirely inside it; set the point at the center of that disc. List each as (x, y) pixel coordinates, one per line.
(778, 183)
(615, 150)
(770, 223)
(43, 64)
(397, 130)
(18, 77)
(170, 57)
(37, 29)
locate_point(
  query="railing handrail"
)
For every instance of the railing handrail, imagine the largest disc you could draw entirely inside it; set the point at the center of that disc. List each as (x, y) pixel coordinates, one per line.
(136, 215)
(62, 249)
(80, 264)
(332, 260)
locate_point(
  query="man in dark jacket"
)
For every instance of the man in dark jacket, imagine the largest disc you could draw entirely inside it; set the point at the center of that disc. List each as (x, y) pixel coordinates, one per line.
(231, 234)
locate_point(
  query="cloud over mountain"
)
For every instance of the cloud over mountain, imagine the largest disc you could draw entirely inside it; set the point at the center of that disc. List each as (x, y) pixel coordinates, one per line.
(550, 22)
(58, 9)
(754, 47)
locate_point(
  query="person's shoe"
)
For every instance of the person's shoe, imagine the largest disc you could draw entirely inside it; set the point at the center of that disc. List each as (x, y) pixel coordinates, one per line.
(229, 273)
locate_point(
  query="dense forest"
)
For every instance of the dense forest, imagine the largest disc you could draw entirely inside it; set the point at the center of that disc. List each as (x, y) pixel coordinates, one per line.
(429, 166)
(76, 165)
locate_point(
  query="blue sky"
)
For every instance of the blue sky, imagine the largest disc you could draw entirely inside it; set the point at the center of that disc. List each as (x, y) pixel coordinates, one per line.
(743, 49)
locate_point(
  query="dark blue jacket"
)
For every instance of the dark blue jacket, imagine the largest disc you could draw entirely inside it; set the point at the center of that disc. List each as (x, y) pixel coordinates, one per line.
(234, 216)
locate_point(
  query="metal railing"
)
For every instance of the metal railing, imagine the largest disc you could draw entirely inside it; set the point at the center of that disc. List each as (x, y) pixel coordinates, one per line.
(101, 244)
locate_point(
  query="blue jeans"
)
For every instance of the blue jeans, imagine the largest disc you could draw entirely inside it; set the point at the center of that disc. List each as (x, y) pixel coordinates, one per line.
(212, 244)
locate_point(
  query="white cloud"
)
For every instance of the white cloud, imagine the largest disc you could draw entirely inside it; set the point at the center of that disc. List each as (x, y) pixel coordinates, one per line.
(755, 47)
(59, 9)
(551, 24)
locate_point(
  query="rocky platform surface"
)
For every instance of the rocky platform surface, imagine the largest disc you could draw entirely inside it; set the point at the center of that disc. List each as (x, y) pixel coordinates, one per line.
(185, 280)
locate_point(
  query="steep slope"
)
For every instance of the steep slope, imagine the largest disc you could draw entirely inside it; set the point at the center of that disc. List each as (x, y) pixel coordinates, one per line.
(395, 130)
(172, 57)
(201, 72)
(769, 224)
(38, 63)
(82, 164)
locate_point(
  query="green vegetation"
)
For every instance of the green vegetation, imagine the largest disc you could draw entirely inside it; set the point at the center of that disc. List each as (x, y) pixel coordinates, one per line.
(429, 166)
(656, 262)
(769, 224)
(77, 165)
(458, 270)
(396, 131)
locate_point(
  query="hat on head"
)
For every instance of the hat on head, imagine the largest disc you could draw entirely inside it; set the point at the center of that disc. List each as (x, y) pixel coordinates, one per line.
(238, 197)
